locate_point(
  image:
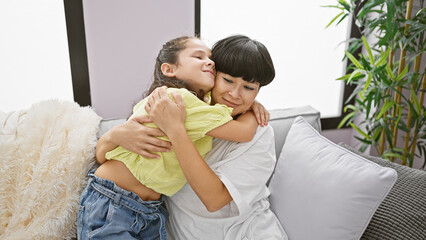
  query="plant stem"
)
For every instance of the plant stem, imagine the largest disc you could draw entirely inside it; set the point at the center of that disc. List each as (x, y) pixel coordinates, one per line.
(400, 69)
(410, 113)
(383, 134)
(422, 98)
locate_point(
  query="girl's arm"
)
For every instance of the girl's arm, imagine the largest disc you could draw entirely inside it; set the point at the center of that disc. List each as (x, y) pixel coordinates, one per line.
(242, 129)
(262, 115)
(170, 118)
(133, 136)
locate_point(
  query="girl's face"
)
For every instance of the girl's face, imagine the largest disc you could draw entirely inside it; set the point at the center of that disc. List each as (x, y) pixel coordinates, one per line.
(234, 92)
(195, 67)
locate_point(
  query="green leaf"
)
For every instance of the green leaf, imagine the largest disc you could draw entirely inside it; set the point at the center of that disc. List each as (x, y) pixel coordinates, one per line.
(367, 83)
(345, 119)
(416, 102)
(365, 135)
(383, 58)
(333, 6)
(363, 141)
(345, 5)
(377, 134)
(360, 95)
(385, 108)
(399, 116)
(395, 155)
(354, 74)
(350, 106)
(368, 108)
(402, 74)
(342, 18)
(346, 77)
(353, 60)
(389, 71)
(334, 19)
(367, 47)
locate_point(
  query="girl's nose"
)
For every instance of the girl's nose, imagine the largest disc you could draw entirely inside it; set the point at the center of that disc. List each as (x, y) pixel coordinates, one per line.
(210, 63)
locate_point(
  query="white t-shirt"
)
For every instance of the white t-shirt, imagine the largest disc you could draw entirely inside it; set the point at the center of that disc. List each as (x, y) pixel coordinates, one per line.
(244, 168)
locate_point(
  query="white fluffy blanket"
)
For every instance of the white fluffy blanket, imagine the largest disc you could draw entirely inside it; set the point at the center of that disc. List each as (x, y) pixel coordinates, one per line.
(45, 155)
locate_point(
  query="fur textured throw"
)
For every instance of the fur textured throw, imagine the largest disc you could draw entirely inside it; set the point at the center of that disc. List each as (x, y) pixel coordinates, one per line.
(45, 155)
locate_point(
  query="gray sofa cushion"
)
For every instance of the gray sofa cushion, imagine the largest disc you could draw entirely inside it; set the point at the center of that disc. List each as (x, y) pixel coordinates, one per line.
(107, 124)
(402, 214)
(282, 119)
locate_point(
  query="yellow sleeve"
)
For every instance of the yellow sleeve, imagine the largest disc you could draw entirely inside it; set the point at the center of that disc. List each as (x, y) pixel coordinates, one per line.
(202, 117)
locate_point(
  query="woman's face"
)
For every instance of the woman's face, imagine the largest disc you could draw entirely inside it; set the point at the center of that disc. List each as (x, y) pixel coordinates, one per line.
(195, 66)
(234, 92)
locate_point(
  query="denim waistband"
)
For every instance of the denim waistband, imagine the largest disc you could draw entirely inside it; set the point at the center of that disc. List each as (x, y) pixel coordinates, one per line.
(126, 198)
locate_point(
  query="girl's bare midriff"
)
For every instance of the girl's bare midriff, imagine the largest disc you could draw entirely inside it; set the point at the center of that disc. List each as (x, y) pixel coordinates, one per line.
(117, 172)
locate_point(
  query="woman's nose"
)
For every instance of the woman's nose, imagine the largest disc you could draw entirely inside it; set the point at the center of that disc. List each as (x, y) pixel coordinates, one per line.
(235, 93)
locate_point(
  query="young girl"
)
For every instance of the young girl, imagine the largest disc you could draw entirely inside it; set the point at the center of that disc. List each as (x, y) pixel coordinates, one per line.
(123, 197)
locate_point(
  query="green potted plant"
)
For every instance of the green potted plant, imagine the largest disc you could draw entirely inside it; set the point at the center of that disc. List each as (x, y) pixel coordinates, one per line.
(389, 79)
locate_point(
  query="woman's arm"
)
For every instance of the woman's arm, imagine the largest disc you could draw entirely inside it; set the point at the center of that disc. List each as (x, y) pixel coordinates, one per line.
(134, 136)
(170, 118)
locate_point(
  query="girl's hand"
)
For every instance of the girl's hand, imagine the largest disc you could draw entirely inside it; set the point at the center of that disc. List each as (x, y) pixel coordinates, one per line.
(262, 115)
(140, 139)
(169, 116)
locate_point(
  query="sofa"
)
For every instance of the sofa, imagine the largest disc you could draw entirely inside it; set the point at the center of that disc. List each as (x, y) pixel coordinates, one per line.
(319, 190)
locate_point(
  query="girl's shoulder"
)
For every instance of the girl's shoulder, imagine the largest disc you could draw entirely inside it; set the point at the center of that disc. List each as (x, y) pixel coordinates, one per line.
(188, 96)
(181, 91)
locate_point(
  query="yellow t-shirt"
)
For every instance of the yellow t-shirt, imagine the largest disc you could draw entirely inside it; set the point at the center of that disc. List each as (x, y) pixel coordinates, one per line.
(164, 175)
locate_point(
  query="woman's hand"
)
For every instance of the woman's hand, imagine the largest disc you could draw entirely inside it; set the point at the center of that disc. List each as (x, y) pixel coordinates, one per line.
(169, 116)
(138, 138)
(262, 115)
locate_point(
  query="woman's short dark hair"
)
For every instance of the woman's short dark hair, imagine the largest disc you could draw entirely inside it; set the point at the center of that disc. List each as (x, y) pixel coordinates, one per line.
(240, 56)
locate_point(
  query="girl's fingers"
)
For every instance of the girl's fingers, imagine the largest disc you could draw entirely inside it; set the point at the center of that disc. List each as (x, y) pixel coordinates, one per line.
(262, 114)
(268, 116)
(257, 114)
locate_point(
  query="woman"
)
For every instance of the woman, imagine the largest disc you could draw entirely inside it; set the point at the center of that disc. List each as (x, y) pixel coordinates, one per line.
(226, 194)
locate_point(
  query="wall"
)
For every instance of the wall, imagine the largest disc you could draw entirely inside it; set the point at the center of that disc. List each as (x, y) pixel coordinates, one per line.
(123, 39)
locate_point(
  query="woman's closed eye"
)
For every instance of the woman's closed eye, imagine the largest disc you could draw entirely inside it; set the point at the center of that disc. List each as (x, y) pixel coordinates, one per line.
(227, 80)
(249, 88)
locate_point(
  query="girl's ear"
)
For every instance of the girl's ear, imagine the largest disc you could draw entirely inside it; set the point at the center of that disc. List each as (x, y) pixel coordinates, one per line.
(168, 69)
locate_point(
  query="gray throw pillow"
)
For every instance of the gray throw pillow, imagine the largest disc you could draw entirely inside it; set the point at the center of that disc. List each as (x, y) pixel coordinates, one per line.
(402, 214)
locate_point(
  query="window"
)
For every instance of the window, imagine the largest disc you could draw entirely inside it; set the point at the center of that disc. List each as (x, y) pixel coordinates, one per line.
(307, 57)
(34, 57)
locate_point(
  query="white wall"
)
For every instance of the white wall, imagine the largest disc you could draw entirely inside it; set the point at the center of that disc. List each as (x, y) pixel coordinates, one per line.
(123, 39)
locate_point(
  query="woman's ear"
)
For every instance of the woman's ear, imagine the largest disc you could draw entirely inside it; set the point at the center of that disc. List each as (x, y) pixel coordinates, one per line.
(168, 69)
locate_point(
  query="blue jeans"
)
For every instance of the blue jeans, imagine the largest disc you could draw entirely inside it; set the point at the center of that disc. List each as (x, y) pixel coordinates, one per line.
(110, 212)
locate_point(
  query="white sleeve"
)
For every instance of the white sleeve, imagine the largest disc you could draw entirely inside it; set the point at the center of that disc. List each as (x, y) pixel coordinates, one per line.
(246, 169)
